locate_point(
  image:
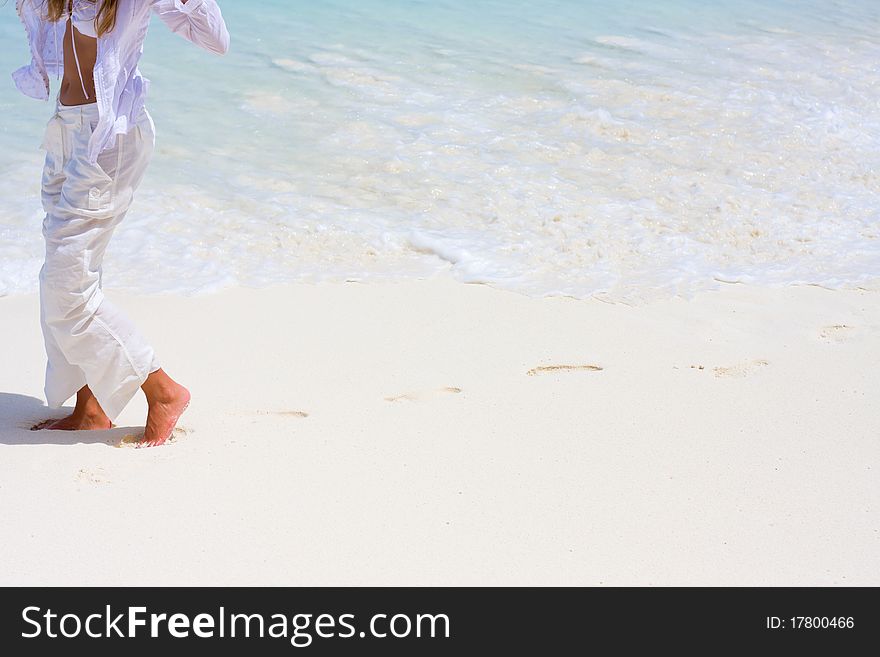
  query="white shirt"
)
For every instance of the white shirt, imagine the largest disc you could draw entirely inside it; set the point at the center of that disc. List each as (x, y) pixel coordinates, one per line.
(120, 89)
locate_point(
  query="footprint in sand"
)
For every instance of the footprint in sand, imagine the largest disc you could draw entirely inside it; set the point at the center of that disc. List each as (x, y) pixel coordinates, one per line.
(96, 476)
(423, 395)
(741, 369)
(836, 332)
(550, 369)
(133, 440)
(284, 413)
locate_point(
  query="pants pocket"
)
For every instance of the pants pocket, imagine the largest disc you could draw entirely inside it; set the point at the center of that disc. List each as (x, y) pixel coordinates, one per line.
(53, 144)
(147, 130)
(87, 187)
(100, 198)
(104, 176)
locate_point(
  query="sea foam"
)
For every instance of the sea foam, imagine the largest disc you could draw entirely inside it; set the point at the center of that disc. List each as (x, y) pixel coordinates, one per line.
(626, 152)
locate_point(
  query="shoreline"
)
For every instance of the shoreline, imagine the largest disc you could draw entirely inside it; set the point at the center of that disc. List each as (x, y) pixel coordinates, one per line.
(439, 433)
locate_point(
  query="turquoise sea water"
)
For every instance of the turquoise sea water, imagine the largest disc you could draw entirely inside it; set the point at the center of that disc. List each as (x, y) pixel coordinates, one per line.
(629, 150)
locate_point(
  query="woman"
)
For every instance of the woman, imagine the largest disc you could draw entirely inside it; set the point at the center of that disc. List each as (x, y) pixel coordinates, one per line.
(98, 145)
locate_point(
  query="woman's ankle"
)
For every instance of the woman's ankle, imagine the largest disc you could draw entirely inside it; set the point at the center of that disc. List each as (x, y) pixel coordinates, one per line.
(159, 387)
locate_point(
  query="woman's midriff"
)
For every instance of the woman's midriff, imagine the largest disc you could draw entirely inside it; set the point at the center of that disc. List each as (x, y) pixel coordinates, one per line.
(87, 52)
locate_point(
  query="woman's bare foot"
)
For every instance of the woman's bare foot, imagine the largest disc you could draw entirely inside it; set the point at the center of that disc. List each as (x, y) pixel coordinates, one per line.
(167, 400)
(87, 416)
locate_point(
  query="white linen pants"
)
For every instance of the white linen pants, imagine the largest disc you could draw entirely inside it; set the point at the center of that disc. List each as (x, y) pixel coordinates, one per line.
(88, 341)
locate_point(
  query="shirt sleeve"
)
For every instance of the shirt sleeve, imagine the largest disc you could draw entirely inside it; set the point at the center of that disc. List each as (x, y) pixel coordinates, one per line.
(199, 21)
(32, 80)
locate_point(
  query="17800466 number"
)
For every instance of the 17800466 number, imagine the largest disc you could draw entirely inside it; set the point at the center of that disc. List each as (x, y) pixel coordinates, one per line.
(821, 622)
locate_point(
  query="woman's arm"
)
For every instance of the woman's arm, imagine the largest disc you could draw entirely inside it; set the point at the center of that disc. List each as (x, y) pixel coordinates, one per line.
(200, 21)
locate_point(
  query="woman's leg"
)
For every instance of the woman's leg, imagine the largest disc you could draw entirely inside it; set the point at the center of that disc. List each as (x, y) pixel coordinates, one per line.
(88, 331)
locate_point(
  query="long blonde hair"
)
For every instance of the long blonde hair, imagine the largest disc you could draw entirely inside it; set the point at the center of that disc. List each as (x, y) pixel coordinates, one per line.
(105, 19)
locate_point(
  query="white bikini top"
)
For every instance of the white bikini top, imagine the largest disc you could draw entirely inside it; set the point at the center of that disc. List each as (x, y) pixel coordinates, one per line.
(83, 18)
(82, 14)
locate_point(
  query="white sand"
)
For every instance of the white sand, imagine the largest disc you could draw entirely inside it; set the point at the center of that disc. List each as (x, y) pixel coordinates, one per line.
(732, 439)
